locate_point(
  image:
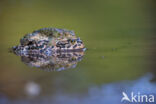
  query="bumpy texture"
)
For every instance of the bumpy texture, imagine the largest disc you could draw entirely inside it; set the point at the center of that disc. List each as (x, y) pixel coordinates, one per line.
(48, 41)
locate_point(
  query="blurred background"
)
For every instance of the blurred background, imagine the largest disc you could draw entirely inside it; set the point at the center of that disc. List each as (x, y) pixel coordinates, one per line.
(120, 37)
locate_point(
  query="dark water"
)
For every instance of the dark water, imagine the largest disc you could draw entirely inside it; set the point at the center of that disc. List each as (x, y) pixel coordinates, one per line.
(119, 35)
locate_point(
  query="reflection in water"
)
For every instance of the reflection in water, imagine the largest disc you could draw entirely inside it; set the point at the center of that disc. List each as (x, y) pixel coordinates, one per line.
(56, 62)
(95, 94)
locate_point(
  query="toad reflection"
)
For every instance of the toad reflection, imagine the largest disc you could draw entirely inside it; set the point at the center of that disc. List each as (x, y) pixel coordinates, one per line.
(55, 62)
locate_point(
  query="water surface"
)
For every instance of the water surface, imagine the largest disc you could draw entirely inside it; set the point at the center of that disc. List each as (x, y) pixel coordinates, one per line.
(119, 36)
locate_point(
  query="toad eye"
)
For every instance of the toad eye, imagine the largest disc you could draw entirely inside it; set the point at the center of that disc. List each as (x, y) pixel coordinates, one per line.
(30, 43)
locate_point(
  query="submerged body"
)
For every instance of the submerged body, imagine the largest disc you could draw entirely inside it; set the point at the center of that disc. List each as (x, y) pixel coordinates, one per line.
(48, 41)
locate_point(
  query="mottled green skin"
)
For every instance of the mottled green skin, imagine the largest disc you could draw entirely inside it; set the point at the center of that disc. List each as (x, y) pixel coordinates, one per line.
(46, 40)
(50, 33)
(54, 32)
